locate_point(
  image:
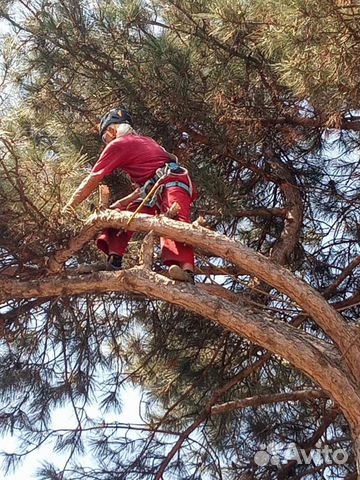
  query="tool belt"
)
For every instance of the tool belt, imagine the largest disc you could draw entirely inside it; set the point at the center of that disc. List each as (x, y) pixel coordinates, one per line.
(169, 171)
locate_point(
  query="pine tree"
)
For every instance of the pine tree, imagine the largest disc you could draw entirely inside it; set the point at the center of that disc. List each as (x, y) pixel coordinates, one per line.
(259, 100)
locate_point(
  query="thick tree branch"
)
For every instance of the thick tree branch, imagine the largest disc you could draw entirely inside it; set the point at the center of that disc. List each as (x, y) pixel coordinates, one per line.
(293, 204)
(299, 348)
(286, 243)
(244, 258)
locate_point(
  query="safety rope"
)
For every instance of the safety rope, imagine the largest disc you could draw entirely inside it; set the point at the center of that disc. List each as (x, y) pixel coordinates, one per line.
(148, 196)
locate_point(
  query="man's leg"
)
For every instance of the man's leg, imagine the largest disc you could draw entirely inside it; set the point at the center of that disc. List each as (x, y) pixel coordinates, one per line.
(114, 243)
(177, 255)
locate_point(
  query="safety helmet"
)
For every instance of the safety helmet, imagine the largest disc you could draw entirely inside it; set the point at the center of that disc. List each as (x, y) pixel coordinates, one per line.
(116, 115)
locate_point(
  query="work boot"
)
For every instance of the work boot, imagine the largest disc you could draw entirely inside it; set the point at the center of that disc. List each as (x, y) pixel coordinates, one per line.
(177, 273)
(115, 262)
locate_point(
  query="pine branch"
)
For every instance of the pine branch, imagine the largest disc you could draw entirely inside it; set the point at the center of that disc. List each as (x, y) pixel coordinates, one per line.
(226, 152)
(323, 123)
(344, 274)
(327, 420)
(300, 395)
(183, 436)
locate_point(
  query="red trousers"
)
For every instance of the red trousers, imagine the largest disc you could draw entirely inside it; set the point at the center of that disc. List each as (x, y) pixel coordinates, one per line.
(113, 241)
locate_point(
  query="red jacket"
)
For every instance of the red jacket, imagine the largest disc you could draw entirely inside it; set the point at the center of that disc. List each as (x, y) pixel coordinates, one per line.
(137, 156)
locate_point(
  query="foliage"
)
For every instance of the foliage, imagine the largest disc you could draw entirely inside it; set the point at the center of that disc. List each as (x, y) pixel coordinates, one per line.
(259, 99)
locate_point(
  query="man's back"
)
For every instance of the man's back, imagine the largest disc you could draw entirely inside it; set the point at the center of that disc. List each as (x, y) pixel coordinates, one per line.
(136, 155)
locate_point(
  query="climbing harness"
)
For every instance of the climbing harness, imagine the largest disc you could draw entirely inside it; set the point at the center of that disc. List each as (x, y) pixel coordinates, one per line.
(153, 187)
(169, 169)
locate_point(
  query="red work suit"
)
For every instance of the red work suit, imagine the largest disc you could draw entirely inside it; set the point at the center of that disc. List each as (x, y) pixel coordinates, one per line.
(140, 157)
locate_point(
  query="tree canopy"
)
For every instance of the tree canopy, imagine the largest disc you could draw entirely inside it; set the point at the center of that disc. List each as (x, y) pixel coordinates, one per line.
(260, 101)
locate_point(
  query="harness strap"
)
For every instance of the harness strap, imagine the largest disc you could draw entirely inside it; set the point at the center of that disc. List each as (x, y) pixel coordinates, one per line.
(153, 187)
(182, 185)
(152, 199)
(170, 168)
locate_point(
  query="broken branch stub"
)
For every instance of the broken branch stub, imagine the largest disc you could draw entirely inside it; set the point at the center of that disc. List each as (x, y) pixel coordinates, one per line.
(104, 196)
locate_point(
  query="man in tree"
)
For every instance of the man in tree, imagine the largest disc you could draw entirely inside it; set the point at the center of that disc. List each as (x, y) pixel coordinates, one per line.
(161, 182)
